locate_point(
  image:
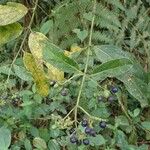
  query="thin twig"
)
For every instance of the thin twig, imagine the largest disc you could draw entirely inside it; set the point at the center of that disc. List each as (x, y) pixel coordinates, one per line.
(86, 65)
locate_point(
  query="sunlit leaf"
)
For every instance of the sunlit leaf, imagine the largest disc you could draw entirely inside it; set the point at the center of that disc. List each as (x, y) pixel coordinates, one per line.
(11, 13)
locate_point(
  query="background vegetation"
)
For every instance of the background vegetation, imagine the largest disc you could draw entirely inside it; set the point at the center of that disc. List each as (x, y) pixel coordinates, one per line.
(74, 74)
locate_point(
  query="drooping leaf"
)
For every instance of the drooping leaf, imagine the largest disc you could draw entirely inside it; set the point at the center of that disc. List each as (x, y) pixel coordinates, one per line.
(9, 32)
(11, 13)
(5, 138)
(106, 53)
(22, 73)
(37, 73)
(50, 53)
(112, 68)
(37, 49)
(136, 87)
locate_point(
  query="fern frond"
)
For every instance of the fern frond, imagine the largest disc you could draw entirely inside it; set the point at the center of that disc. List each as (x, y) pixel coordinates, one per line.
(101, 37)
(116, 3)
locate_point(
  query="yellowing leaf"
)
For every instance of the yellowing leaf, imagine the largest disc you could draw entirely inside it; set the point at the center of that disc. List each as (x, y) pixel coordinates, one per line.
(67, 53)
(37, 73)
(52, 54)
(36, 49)
(9, 32)
(35, 46)
(54, 73)
(11, 13)
(75, 48)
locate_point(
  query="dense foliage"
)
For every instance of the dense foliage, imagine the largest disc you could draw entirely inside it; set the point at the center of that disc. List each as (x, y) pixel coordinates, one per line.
(75, 75)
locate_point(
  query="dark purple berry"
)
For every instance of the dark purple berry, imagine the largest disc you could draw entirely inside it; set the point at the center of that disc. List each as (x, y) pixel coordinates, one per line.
(111, 99)
(84, 123)
(93, 133)
(52, 83)
(114, 89)
(87, 130)
(101, 98)
(86, 141)
(72, 131)
(73, 139)
(102, 124)
(64, 92)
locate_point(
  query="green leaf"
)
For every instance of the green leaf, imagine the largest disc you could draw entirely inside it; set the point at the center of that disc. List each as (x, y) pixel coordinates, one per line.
(112, 68)
(53, 145)
(143, 147)
(132, 12)
(121, 139)
(11, 13)
(9, 32)
(81, 34)
(146, 125)
(136, 87)
(46, 26)
(106, 53)
(136, 112)
(22, 73)
(5, 138)
(6, 70)
(121, 121)
(97, 141)
(116, 3)
(110, 52)
(51, 53)
(39, 143)
(27, 144)
(100, 112)
(133, 137)
(88, 16)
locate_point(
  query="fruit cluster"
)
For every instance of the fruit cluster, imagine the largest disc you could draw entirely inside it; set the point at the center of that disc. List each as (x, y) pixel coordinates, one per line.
(88, 131)
(111, 98)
